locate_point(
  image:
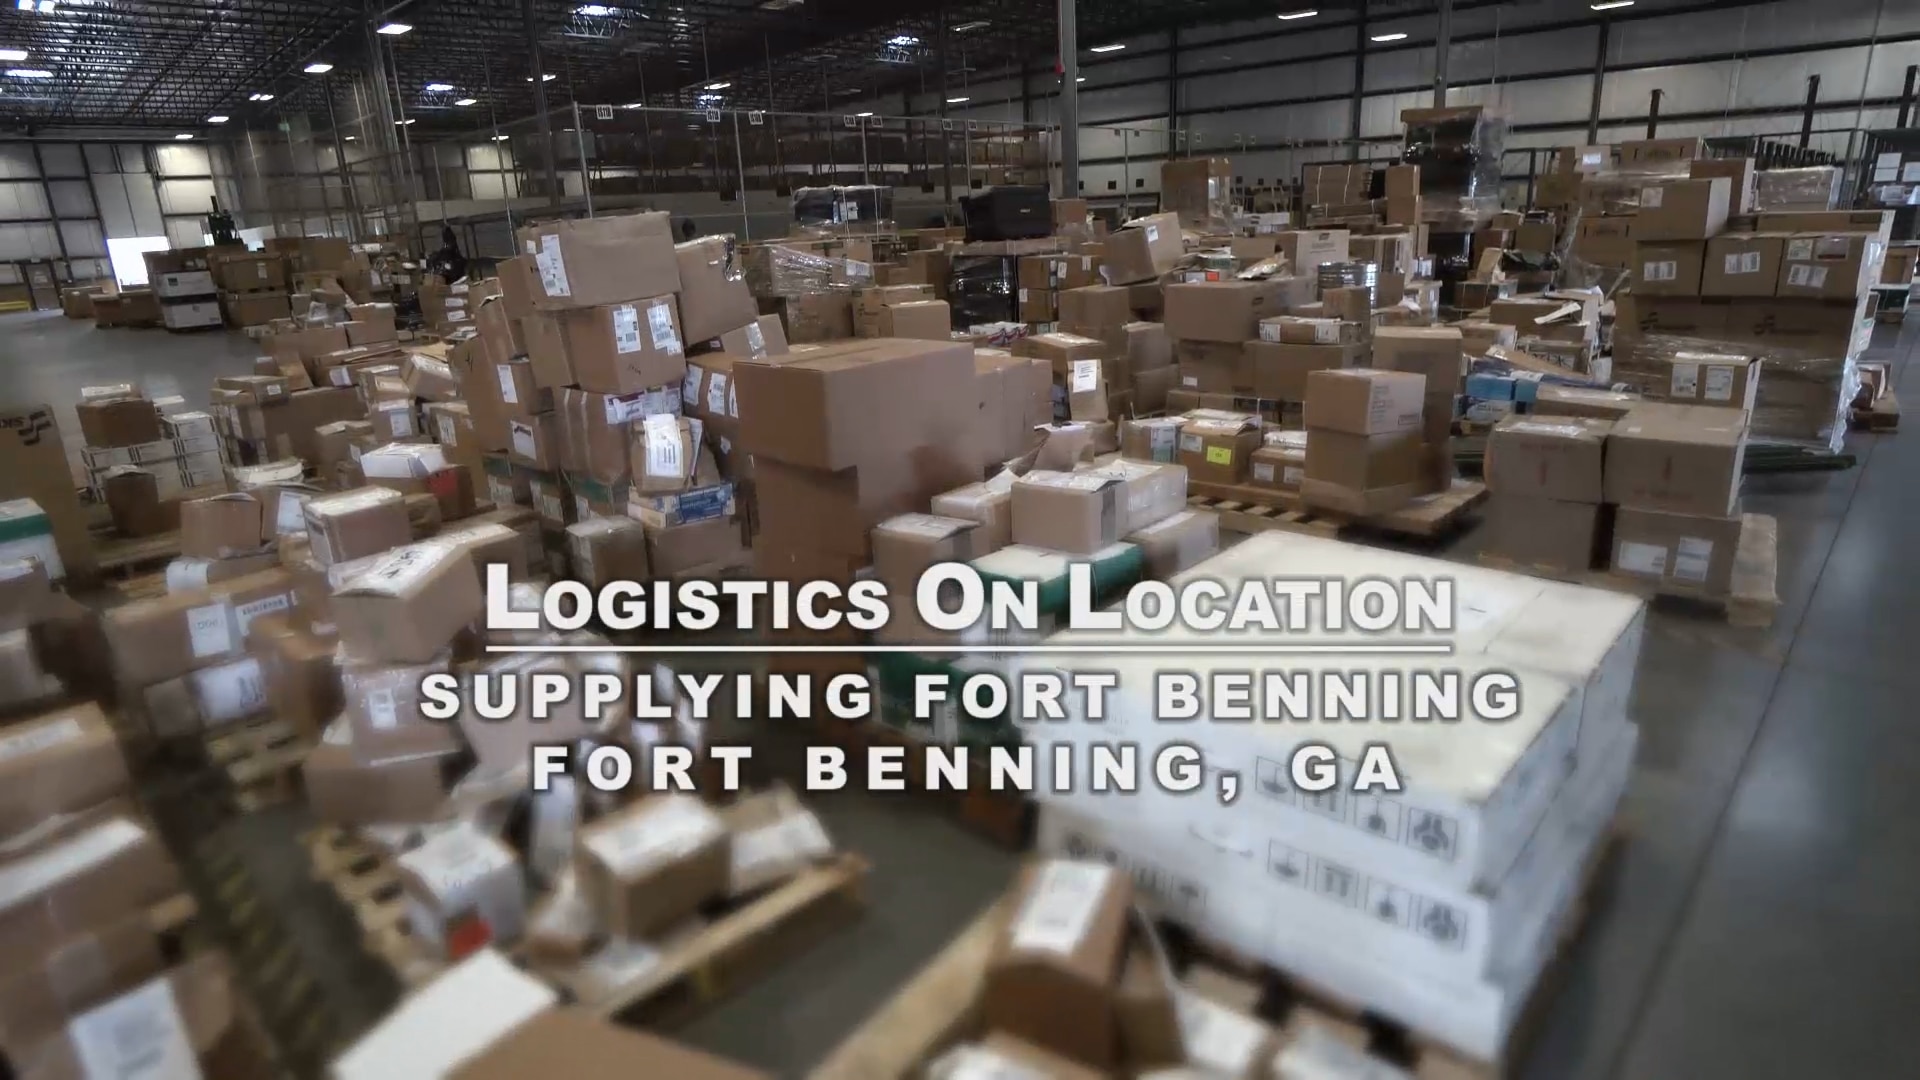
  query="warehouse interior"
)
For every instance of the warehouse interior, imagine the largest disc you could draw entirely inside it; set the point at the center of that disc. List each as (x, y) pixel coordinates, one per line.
(1735, 909)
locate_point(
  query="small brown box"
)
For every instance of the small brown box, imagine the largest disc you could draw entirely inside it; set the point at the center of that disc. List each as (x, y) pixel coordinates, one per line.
(1683, 209)
(1692, 378)
(355, 524)
(1218, 448)
(1361, 474)
(907, 546)
(652, 865)
(1743, 264)
(625, 348)
(223, 526)
(1431, 351)
(409, 604)
(1669, 269)
(1565, 537)
(1683, 459)
(128, 421)
(1054, 971)
(1094, 308)
(1076, 513)
(1547, 458)
(1362, 401)
(1693, 550)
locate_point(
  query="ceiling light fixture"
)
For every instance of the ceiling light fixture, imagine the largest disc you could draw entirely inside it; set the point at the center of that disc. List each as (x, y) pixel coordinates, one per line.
(439, 87)
(13, 54)
(319, 68)
(957, 100)
(402, 123)
(544, 78)
(500, 138)
(977, 24)
(395, 29)
(28, 73)
(1107, 48)
(863, 114)
(1609, 5)
(351, 138)
(594, 11)
(466, 101)
(183, 135)
(217, 119)
(1388, 37)
(718, 85)
(46, 7)
(1080, 78)
(1289, 16)
(259, 97)
(634, 105)
(901, 41)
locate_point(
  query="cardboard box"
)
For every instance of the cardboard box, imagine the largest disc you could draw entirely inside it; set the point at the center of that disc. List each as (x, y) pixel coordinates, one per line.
(462, 884)
(927, 320)
(534, 441)
(713, 290)
(1668, 269)
(1226, 311)
(409, 604)
(1213, 367)
(1743, 264)
(666, 454)
(1051, 977)
(1280, 370)
(849, 405)
(596, 430)
(1365, 402)
(761, 337)
(1149, 491)
(163, 638)
(1217, 448)
(817, 317)
(355, 524)
(1152, 439)
(1692, 378)
(1144, 248)
(1151, 389)
(1579, 401)
(1836, 266)
(91, 879)
(608, 549)
(1077, 513)
(223, 526)
(1435, 352)
(1281, 462)
(1093, 308)
(574, 1044)
(592, 262)
(1300, 330)
(1361, 474)
(34, 466)
(1605, 241)
(1740, 175)
(58, 763)
(1036, 305)
(343, 791)
(1644, 152)
(988, 504)
(1562, 537)
(545, 346)
(127, 421)
(1015, 395)
(1684, 459)
(1176, 543)
(907, 546)
(653, 864)
(1692, 550)
(1683, 209)
(625, 348)
(1540, 458)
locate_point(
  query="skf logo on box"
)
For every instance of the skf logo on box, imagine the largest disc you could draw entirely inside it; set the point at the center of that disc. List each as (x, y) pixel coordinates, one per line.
(29, 426)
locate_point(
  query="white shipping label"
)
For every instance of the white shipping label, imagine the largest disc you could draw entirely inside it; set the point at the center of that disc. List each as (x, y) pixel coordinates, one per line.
(660, 327)
(1686, 380)
(401, 422)
(499, 491)
(858, 269)
(187, 575)
(619, 410)
(1719, 385)
(626, 329)
(582, 509)
(1649, 559)
(457, 316)
(1660, 271)
(65, 730)
(690, 386)
(1061, 908)
(1191, 444)
(382, 712)
(1292, 475)
(733, 402)
(137, 1036)
(664, 458)
(230, 693)
(1189, 380)
(244, 614)
(208, 632)
(717, 393)
(1086, 376)
(1799, 249)
(340, 377)
(1023, 296)
(756, 341)
(1745, 262)
(507, 392)
(1263, 470)
(523, 443)
(1153, 233)
(1807, 277)
(1326, 333)
(447, 429)
(553, 267)
(1693, 560)
(1222, 1042)
(550, 507)
(1160, 442)
(1652, 197)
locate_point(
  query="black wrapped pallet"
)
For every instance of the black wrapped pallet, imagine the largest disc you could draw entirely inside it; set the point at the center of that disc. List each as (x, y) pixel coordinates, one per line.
(984, 289)
(1008, 212)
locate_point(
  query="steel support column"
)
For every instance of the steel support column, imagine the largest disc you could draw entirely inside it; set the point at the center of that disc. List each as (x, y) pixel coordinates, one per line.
(1599, 79)
(1442, 44)
(1906, 94)
(1173, 85)
(1069, 101)
(946, 140)
(1359, 84)
(1806, 115)
(545, 123)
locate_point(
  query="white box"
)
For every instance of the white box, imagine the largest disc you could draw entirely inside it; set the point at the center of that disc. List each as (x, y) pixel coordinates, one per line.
(1229, 897)
(189, 316)
(463, 873)
(154, 452)
(188, 425)
(184, 283)
(1475, 790)
(448, 1022)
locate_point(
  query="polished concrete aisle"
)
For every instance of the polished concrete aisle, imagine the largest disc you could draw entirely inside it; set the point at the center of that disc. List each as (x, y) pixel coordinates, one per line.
(1759, 924)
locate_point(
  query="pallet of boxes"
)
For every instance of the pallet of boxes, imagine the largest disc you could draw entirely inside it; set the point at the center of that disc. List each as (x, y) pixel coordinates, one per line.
(183, 285)
(1421, 929)
(253, 288)
(95, 918)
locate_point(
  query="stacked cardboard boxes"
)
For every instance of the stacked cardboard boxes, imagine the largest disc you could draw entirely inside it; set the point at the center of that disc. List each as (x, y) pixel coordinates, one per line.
(182, 281)
(1364, 447)
(253, 288)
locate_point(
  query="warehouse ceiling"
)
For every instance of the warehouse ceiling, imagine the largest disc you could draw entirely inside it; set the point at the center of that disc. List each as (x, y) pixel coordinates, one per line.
(462, 63)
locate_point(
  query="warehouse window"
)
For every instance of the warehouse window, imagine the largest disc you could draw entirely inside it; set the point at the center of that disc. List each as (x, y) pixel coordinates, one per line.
(128, 257)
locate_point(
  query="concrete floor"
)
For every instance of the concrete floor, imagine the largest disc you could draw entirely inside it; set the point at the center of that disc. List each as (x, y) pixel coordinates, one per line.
(1760, 921)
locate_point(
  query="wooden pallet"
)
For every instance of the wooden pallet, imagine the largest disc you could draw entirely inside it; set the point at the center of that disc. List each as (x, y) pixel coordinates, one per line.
(1250, 510)
(1751, 602)
(262, 759)
(1004, 817)
(1882, 415)
(362, 875)
(939, 1007)
(124, 557)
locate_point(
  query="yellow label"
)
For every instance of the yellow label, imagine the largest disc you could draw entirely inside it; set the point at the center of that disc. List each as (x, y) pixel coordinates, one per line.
(1219, 455)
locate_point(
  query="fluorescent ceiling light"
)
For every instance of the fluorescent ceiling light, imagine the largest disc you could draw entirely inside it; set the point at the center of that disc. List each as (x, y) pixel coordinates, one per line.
(977, 24)
(594, 11)
(1289, 16)
(1107, 48)
(863, 114)
(1080, 78)
(718, 85)
(466, 101)
(1389, 37)
(901, 41)
(259, 97)
(217, 119)
(351, 138)
(402, 123)
(957, 100)
(46, 7)
(500, 138)
(319, 68)
(439, 87)
(634, 105)
(13, 54)
(183, 135)
(28, 73)
(544, 78)
(395, 29)
(1609, 5)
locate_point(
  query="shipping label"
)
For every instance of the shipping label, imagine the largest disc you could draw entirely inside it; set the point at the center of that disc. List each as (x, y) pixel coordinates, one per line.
(626, 329)
(137, 1036)
(1693, 559)
(1686, 381)
(208, 631)
(1061, 908)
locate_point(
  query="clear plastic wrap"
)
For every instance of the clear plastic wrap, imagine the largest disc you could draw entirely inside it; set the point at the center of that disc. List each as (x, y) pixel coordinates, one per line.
(984, 289)
(868, 206)
(779, 270)
(1816, 187)
(1804, 395)
(1458, 150)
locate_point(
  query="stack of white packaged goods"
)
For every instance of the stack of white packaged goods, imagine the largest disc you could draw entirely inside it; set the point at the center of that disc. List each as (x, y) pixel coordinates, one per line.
(1440, 905)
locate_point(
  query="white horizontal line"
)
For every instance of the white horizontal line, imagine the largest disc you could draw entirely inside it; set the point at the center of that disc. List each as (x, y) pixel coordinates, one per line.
(996, 650)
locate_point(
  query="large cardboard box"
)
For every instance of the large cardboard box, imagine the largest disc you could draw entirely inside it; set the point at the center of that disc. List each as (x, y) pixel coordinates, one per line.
(1361, 401)
(409, 604)
(355, 524)
(653, 864)
(1683, 209)
(90, 879)
(1684, 459)
(1605, 241)
(1695, 550)
(1830, 266)
(116, 422)
(1217, 448)
(1551, 534)
(1280, 370)
(1306, 251)
(1094, 308)
(1052, 976)
(1547, 458)
(62, 762)
(592, 262)
(1078, 513)
(1144, 249)
(1226, 311)
(1693, 378)
(1743, 264)
(856, 403)
(1361, 474)
(713, 290)
(926, 320)
(1668, 269)
(341, 790)
(1435, 352)
(625, 348)
(1740, 176)
(571, 1043)
(1016, 396)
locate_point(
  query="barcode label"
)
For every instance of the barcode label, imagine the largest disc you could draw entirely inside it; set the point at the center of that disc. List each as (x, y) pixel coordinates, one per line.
(1660, 271)
(1086, 376)
(1648, 559)
(626, 329)
(553, 267)
(717, 384)
(1745, 262)
(507, 392)
(1061, 908)
(1693, 559)
(660, 326)
(207, 631)
(1719, 383)
(690, 386)
(1686, 380)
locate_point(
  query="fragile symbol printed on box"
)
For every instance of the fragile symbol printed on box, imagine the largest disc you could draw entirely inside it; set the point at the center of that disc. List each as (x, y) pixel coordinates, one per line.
(1381, 900)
